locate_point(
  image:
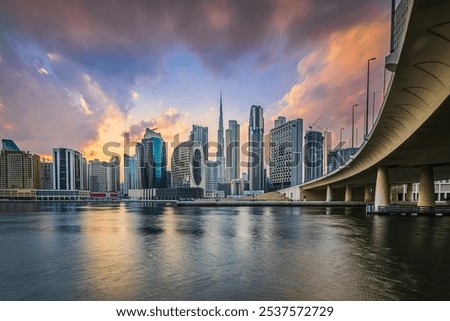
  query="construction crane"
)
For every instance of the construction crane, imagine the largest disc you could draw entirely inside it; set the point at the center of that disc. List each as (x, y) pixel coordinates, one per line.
(314, 124)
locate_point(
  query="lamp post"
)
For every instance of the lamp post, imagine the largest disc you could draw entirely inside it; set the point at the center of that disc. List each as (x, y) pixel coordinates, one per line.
(373, 106)
(353, 125)
(340, 138)
(366, 128)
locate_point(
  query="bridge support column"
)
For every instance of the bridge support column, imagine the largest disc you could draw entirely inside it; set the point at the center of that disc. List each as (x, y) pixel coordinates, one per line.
(382, 189)
(348, 193)
(329, 193)
(426, 187)
(368, 194)
(409, 192)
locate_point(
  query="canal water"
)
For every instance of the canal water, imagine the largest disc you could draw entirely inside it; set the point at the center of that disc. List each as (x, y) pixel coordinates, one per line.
(146, 251)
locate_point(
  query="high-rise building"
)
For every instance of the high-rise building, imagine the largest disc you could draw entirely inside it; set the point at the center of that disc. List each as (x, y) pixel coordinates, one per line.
(152, 158)
(187, 166)
(233, 145)
(313, 155)
(98, 181)
(46, 175)
(220, 157)
(85, 174)
(280, 121)
(18, 169)
(113, 175)
(286, 143)
(200, 134)
(67, 169)
(256, 149)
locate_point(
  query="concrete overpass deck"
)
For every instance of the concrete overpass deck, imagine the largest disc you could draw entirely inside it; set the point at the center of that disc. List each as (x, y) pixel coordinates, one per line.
(413, 127)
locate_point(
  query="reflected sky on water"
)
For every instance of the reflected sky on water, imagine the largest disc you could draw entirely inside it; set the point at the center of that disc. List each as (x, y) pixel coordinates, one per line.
(147, 251)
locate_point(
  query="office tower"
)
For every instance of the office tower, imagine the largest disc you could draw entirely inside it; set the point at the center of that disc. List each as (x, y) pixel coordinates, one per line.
(98, 181)
(113, 175)
(313, 153)
(46, 174)
(85, 174)
(286, 143)
(18, 169)
(126, 164)
(67, 169)
(256, 149)
(233, 144)
(327, 148)
(220, 148)
(280, 121)
(200, 134)
(153, 160)
(211, 178)
(134, 177)
(187, 166)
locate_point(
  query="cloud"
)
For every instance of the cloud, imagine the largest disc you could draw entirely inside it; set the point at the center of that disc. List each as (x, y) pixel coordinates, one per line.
(123, 38)
(333, 76)
(169, 123)
(42, 70)
(134, 95)
(95, 53)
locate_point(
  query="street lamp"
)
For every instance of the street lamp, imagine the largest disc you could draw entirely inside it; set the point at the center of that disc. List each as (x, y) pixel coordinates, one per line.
(353, 125)
(373, 106)
(340, 138)
(366, 128)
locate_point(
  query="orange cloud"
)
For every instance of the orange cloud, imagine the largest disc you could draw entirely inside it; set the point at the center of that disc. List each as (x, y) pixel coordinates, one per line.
(333, 77)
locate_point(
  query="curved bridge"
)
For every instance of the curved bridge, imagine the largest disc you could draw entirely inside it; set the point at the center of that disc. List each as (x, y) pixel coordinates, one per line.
(410, 141)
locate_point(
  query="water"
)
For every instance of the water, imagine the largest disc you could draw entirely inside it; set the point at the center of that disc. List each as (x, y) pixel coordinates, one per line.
(69, 251)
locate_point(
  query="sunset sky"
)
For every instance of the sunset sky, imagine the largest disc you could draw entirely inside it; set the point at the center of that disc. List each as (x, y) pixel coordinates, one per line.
(79, 73)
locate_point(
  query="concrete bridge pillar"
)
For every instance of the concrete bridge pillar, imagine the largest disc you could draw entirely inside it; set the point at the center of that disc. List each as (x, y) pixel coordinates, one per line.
(409, 192)
(368, 194)
(426, 187)
(348, 193)
(382, 189)
(329, 193)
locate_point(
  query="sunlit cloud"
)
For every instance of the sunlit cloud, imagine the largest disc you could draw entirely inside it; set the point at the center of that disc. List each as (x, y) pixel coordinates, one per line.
(43, 71)
(84, 106)
(134, 95)
(54, 57)
(332, 78)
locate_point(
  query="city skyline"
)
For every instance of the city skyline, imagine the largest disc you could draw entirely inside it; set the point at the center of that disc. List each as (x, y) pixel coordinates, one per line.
(88, 81)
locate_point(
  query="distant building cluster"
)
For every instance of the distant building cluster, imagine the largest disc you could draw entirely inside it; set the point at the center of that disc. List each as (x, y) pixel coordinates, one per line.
(67, 177)
(293, 156)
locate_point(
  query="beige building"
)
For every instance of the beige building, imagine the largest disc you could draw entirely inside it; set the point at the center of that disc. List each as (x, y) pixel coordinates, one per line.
(18, 169)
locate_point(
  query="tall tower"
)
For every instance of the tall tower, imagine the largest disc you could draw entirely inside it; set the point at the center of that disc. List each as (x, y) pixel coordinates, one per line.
(232, 139)
(313, 156)
(256, 149)
(220, 147)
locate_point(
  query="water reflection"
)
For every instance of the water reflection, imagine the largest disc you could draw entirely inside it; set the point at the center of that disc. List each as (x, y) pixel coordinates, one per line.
(149, 251)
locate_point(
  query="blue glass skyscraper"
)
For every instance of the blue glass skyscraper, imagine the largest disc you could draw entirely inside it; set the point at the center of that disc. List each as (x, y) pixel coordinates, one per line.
(153, 160)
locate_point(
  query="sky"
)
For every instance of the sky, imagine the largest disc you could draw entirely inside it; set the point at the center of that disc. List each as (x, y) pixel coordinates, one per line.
(80, 73)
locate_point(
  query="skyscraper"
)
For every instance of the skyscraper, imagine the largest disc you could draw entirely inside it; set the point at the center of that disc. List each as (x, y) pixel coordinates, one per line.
(200, 134)
(286, 143)
(220, 148)
(256, 149)
(97, 176)
(46, 174)
(67, 169)
(153, 160)
(313, 155)
(187, 166)
(113, 175)
(233, 145)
